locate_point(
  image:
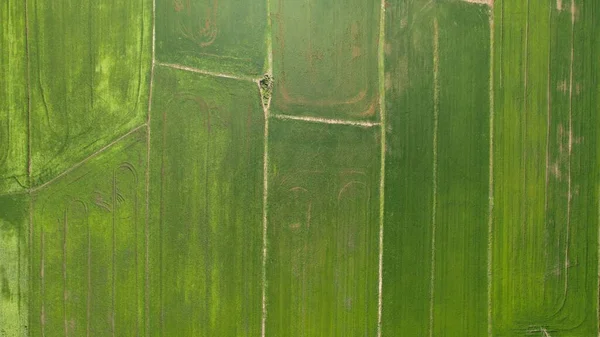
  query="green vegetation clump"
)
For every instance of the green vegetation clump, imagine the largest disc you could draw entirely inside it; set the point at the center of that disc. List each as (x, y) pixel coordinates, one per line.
(266, 89)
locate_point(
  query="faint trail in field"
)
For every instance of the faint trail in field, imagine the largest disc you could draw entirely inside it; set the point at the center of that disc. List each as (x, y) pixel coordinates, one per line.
(524, 147)
(500, 54)
(161, 222)
(491, 180)
(541, 330)
(381, 70)
(204, 72)
(19, 277)
(30, 245)
(545, 332)
(266, 109)
(548, 120)
(148, 142)
(480, 2)
(264, 210)
(27, 53)
(325, 120)
(114, 252)
(92, 156)
(64, 266)
(569, 195)
(436, 98)
(17, 192)
(89, 280)
(269, 40)
(147, 229)
(548, 127)
(43, 283)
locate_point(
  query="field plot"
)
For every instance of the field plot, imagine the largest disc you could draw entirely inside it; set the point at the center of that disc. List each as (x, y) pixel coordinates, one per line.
(325, 58)
(409, 175)
(323, 229)
(89, 66)
(206, 188)
(13, 99)
(88, 246)
(437, 163)
(14, 266)
(459, 297)
(545, 246)
(223, 36)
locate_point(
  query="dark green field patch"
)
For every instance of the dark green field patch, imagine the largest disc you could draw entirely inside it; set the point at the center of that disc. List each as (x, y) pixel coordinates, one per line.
(437, 164)
(323, 230)
(409, 181)
(462, 186)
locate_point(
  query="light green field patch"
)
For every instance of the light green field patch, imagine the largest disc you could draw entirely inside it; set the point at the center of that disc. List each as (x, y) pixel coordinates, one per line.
(89, 68)
(14, 265)
(546, 173)
(13, 98)
(88, 247)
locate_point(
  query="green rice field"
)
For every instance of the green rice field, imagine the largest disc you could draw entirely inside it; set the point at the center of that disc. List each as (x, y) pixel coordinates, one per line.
(300, 168)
